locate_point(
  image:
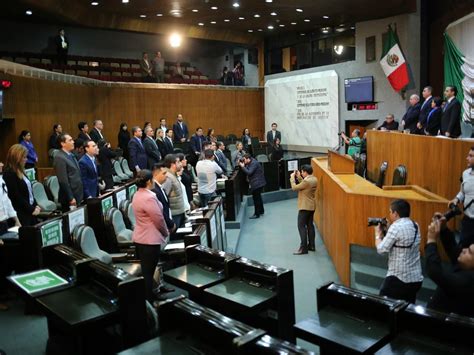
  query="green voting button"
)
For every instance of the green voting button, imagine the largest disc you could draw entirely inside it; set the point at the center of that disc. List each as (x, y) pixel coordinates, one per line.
(38, 281)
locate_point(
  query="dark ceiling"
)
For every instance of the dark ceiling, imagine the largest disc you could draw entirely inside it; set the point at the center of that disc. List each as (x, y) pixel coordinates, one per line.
(286, 18)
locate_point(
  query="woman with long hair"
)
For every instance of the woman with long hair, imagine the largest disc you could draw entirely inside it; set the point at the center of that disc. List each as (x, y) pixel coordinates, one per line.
(159, 136)
(123, 139)
(210, 136)
(150, 228)
(277, 150)
(246, 140)
(25, 140)
(19, 187)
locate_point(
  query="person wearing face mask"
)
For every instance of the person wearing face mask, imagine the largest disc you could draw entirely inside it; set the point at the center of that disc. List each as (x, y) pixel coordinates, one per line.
(455, 290)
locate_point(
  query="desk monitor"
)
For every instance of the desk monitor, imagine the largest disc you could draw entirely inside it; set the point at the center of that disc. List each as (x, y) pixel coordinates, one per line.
(120, 195)
(72, 219)
(131, 191)
(96, 210)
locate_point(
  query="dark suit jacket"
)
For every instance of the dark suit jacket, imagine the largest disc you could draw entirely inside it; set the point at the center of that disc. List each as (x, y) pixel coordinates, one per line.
(168, 146)
(255, 174)
(146, 69)
(180, 133)
(245, 142)
(53, 142)
(161, 147)
(451, 119)
(69, 178)
(20, 198)
(393, 126)
(221, 160)
(59, 48)
(270, 136)
(152, 151)
(84, 137)
(196, 143)
(187, 180)
(106, 169)
(425, 109)
(90, 176)
(411, 117)
(95, 136)
(433, 122)
(137, 154)
(166, 206)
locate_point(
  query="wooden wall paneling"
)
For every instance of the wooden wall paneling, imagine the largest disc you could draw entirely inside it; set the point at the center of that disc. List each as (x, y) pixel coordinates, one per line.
(37, 104)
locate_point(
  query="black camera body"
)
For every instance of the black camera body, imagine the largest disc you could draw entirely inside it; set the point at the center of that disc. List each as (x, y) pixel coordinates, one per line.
(453, 211)
(375, 221)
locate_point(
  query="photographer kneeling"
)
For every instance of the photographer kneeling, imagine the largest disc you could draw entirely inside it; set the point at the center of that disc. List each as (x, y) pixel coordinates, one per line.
(455, 292)
(402, 243)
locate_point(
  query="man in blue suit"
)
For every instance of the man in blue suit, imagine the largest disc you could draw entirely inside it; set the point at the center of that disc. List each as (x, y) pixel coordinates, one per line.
(159, 178)
(410, 119)
(136, 151)
(425, 109)
(89, 170)
(181, 133)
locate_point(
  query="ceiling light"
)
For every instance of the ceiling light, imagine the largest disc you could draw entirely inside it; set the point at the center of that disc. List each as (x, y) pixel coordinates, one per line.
(273, 13)
(325, 30)
(338, 49)
(268, 0)
(325, 16)
(281, 25)
(175, 40)
(235, 4)
(142, 16)
(270, 27)
(124, 1)
(241, 18)
(159, 15)
(214, 8)
(302, 34)
(226, 20)
(256, 15)
(353, 28)
(213, 22)
(195, 10)
(250, 30)
(200, 24)
(299, 10)
(176, 13)
(307, 20)
(29, 12)
(260, 30)
(293, 23)
(94, 3)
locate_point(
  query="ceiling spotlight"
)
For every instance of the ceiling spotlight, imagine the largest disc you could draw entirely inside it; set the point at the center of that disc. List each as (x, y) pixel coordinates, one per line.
(270, 27)
(281, 25)
(195, 10)
(124, 1)
(353, 28)
(241, 18)
(302, 34)
(94, 3)
(325, 16)
(325, 30)
(214, 8)
(159, 15)
(226, 20)
(268, 0)
(307, 20)
(29, 12)
(142, 16)
(293, 23)
(235, 4)
(250, 31)
(213, 22)
(338, 49)
(175, 40)
(200, 24)
(273, 13)
(260, 30)
(256, 15)
(176, 13)
(299, 10)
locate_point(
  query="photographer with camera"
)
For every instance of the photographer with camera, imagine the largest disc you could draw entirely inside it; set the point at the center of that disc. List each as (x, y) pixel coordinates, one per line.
(254, 171)
(402, 243)
(455, 292)
(466, 197)
(355, 142)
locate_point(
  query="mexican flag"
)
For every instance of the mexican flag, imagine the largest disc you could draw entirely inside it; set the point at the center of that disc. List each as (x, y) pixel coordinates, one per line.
(393, 63)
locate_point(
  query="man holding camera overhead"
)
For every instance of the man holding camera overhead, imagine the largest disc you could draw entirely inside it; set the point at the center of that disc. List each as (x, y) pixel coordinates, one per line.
(466, 196)
(402, 243)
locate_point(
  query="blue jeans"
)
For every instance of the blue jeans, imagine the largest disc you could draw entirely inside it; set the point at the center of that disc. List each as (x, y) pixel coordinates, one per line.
(205, 198)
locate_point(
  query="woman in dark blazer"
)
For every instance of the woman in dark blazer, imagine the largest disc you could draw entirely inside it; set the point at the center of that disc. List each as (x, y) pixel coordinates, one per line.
(433, 121)
(277, 150)
(25, 140)
(186, 177)
(246, 140)
(19, 187)
(159, 136)
(105, 160)
(123, 139)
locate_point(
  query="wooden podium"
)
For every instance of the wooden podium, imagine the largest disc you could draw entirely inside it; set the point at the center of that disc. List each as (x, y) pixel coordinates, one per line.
(344, 202)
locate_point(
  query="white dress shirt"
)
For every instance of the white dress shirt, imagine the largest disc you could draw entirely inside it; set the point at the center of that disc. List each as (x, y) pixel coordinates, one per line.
(206, 171)
(6, 209)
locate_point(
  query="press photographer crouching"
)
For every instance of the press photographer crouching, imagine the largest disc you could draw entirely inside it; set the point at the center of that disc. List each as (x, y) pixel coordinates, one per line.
(455, 292)
(402, 243)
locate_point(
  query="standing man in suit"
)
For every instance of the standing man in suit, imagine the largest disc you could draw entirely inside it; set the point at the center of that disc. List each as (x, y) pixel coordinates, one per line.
(180, 129)
(159, 68)
(305, 183)
(254, 172)
(67, 170)
(410, 119)
(451, 118)
(96, 132)
(272, 134)
(159, 178)
(221, 160)
(136, 151)
(84, 131)
(62, 47)
(89, 170)
(197, 141)
(151, 148)
(425, 109)
(168, 140)
(163, 124)
(53, 139)
(147, 69)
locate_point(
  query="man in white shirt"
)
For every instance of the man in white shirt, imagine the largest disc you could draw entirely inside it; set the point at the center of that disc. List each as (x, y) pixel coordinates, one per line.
(207, 171)
(96, 132)
(163, 124)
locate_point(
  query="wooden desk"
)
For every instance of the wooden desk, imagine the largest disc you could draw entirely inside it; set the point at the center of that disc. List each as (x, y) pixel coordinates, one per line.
(344, 202)
(340, 164)
(436, 164)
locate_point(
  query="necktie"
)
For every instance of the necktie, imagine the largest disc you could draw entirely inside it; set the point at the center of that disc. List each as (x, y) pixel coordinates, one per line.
(93, 164)
(71, 158)
(139, 141)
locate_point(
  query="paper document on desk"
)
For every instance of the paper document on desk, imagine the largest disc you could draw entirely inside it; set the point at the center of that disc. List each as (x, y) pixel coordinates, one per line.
(175, 246)
(192, 218)
(185, 230)
(14, 229)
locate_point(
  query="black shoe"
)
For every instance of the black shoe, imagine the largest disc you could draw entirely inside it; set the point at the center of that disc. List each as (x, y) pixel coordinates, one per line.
(310, 248)
(164, 289)
(300, 251)
(254, 216)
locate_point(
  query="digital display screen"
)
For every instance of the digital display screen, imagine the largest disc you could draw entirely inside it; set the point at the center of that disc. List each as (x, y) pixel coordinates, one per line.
(359, 89)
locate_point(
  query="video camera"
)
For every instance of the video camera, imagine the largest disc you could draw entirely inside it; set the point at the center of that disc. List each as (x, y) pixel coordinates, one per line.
(374, 221)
